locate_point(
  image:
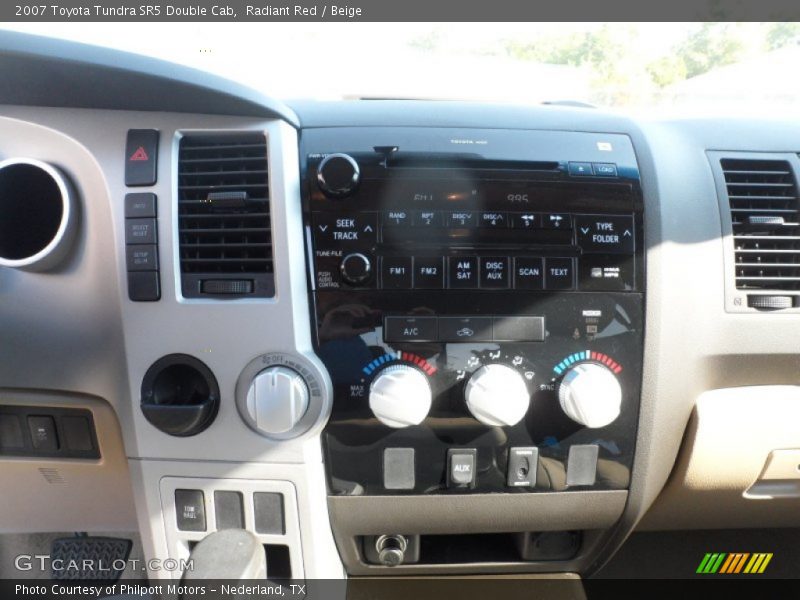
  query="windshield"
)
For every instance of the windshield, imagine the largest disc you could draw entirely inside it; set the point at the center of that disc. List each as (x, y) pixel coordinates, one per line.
(711, 66)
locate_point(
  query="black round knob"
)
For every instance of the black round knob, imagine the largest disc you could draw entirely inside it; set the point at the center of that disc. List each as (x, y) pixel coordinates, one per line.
(338, 175)
(355, 268)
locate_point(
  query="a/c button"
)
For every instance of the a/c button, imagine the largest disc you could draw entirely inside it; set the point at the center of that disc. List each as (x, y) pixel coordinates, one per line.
(410, 329)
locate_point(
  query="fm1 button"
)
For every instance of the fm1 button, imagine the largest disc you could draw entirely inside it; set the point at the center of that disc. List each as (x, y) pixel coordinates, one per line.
(522, 464)
(461, 467)
(396, 272)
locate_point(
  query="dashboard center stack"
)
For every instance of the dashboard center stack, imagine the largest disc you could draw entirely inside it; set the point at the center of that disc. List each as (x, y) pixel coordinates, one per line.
(478, 302)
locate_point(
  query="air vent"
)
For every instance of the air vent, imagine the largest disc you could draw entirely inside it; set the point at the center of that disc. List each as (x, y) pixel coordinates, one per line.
(224, 217)
(764, 213)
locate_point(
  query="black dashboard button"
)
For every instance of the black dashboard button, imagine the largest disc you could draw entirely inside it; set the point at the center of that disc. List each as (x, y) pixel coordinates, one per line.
(465, 329)
(460, 218)
(141, 257)
(559, 274)
(463, 272)
(461, 467)
(580, 169)
(603, 234)
(11, 432)
(77, 433)
(528, 273)
(518, 329)
(494, 272)
(396, 272)
(43, 433)
(605, 273)
(428, 273)
(140, 205)
(525, 220)
(397, 218)
(141, 157)
(338, 231)
(426, 218)
(144, 286)
(268, 513)
(410, 329)
(140, 231)
(493, 220)
(556, 221)
(190, 510)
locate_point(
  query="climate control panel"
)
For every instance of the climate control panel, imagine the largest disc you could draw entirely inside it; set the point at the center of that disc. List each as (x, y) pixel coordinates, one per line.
(480, 313)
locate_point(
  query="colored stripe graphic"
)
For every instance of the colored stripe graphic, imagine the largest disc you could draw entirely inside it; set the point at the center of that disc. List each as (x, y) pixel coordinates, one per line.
(733, 563)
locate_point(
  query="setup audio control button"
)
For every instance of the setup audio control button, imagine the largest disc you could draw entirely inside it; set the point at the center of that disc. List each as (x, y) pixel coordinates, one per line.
(603, 234)
(463, 272)
(494, 272)
(410, 329)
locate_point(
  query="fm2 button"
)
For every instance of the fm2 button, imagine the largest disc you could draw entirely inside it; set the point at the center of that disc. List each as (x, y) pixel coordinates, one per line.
(461, 467)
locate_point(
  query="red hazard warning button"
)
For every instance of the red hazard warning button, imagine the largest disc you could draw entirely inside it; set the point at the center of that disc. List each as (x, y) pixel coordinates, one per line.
(141, 153)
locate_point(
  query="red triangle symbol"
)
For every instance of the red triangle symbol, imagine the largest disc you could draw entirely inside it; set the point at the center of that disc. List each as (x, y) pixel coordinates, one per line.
(140, 154)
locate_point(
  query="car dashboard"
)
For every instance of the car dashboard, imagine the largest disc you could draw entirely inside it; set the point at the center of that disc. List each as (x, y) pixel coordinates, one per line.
(387, 337)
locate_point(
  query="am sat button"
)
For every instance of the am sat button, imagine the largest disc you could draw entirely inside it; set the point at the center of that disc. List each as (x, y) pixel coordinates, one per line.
(410, 329)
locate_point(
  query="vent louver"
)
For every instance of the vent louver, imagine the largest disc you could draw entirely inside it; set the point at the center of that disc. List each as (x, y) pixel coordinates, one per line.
(224, 216)
(764, 213)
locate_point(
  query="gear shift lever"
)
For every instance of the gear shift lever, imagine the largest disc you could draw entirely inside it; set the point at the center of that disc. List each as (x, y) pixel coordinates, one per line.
(228, 554)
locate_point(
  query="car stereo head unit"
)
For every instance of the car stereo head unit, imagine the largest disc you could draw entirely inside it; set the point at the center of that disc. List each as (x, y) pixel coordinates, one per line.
(478, 299)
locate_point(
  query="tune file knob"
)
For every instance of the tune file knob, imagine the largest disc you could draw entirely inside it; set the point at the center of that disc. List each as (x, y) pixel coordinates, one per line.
(590, 395)
(400, 396)
(497, 395)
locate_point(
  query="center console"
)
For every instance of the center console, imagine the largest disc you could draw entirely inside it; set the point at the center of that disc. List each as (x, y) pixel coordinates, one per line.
(478, 303)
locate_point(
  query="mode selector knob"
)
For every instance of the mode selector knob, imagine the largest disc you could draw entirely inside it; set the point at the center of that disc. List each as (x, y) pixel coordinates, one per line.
(497, 395)
(355, 268)
(400, 396)
(590, 395)
(277, 399)
(338, 175)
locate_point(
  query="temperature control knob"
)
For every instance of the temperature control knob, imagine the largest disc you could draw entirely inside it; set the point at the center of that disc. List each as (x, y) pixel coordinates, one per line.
(400, 396)
(497, 395)
(590, 395)
(277, 399)
(338, 175)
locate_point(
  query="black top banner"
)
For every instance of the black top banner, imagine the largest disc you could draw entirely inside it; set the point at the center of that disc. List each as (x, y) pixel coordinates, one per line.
(398, 10)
